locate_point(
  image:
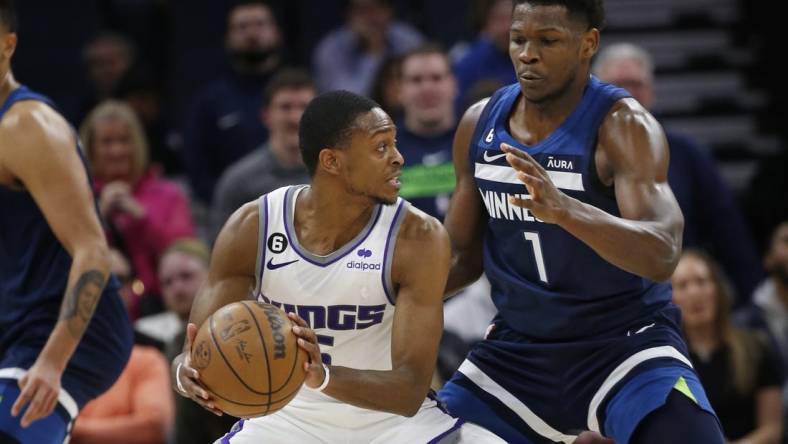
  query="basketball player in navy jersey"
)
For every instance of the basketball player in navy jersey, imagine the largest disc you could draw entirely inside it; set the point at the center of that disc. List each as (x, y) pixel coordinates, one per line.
(363, 267)
(562, 200)
(64, 332)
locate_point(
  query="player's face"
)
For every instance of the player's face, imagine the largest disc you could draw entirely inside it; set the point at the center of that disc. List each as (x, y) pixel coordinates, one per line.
(7, 47)
(371, 165)
(549, 50)
(252, 28)
(180, 276)
(113, 150)
(283, 114)
(777, 258)
(427, 88)
(632, 76)
(694, 292)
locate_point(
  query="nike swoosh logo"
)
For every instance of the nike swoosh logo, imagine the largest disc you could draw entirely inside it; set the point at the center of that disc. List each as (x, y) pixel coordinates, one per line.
(272, 266)
(488, 158)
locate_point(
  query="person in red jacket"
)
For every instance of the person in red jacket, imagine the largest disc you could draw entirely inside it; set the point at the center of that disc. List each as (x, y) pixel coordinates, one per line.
(144, 213)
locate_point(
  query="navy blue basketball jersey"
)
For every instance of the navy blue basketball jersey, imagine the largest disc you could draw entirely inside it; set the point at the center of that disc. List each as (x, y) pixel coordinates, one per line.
(34, 269)
(428, 173)
(546, 283)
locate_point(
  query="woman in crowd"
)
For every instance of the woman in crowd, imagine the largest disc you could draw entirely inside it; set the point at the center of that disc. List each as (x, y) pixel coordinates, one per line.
(739, 372)
(143, 212)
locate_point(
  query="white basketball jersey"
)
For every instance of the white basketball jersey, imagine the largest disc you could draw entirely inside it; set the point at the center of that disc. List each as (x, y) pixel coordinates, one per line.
(347, 297)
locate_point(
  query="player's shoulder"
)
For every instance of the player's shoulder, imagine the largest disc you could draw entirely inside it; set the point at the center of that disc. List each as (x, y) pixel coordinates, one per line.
(29, 122)
(420, 228)
(242, 227)
(628, 112)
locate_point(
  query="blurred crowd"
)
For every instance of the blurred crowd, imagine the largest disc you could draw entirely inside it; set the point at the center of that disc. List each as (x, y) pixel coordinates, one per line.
(169, 168)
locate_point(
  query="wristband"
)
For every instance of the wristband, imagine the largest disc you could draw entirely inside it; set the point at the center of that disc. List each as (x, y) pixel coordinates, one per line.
(178, 378)
(325, 381)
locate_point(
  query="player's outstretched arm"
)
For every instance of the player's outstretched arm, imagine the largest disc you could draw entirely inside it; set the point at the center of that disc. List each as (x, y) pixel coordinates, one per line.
(231, 278)
(465, 219)
(633, 156)
(38, 149)
(420, 268)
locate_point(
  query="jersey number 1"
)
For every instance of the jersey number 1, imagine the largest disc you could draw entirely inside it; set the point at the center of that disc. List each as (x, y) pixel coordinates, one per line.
(533, 238)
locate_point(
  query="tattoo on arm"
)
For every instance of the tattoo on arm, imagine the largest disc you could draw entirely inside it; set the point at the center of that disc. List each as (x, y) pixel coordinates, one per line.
(80, 302)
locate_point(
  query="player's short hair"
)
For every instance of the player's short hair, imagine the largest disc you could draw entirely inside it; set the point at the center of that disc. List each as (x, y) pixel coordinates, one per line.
(8, 15)
(328, 122)
(114, 109)
(591, 12)
(288, 78)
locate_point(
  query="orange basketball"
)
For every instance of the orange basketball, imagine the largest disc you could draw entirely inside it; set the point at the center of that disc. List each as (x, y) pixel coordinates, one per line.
(248, 358)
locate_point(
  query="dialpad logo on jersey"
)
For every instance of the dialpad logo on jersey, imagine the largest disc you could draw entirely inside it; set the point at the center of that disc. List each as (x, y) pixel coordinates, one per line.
(335, 317)
(277, 243)
(363, 265)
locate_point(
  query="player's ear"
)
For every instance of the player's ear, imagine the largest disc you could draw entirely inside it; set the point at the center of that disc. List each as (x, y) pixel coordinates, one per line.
(589, 43)
(329, 161)
(8, 44)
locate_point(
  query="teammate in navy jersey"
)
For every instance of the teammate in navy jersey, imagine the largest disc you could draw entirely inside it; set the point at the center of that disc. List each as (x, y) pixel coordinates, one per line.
(366, 269)
(64, 332)
(562, 200)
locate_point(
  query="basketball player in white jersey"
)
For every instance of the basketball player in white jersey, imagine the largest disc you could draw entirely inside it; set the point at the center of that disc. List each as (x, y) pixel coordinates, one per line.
(362, 272)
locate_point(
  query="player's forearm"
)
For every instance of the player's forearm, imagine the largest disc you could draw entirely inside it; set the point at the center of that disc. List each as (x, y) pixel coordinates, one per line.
(650, 249)
(87, 278)
(136, 428)
(405, 391)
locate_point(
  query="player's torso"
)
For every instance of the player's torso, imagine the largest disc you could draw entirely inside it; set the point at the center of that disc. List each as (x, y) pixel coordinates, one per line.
(545, 281)
(347, 297)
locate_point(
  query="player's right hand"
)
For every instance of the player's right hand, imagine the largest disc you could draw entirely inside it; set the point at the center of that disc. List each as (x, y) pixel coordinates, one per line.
(186, 379)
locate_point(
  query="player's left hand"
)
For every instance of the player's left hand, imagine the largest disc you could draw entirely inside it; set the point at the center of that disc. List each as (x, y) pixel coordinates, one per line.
(40, 388)
(547, 203)
(307, 339)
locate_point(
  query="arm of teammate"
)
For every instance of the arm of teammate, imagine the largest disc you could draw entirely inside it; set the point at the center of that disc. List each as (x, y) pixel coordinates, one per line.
(646, 239)
(231, 278)
(421, 263)
(465, 220)
(40, 152)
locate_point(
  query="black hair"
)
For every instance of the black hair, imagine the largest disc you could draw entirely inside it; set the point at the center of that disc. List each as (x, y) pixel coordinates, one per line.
(328, 122)
(288, 78)
(8, 15)
(591, 12)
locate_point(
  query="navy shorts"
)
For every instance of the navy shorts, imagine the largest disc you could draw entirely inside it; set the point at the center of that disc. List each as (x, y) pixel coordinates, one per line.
(531, 391)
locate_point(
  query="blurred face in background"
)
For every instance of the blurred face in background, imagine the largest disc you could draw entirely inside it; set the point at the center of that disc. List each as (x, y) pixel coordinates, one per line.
(631, 75)
(695, 292)
(282, 117)
(252, 33)
(113, 150)
(369, 18)
(427, 91)
(777, 258)
(499, 19)
(180, 277)
(108, 58)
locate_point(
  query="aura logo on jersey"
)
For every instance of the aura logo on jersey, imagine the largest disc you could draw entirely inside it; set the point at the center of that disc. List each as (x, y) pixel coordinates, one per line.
(335, 317)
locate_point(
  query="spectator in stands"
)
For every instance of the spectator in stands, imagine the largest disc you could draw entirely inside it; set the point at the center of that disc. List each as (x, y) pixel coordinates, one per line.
(277, 162)
(385, 86)
(107, 57)
(769, 309)
(712, 220)
(143, 212)
(349, 57)
(138, 409)
(183, 268)
(740, 374)
(487, 57)
(224, 124)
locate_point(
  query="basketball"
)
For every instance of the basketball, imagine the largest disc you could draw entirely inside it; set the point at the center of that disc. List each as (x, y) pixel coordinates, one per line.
(248, 358)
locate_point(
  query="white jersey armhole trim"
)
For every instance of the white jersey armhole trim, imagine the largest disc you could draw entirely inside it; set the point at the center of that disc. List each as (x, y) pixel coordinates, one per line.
(391, 244)
(262, 235)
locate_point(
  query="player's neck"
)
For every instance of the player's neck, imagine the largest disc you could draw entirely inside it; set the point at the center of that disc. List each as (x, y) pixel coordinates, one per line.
(325, 219)
(7, 85)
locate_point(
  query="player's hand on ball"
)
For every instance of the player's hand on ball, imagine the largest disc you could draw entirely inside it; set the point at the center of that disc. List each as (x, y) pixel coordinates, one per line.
(189, 378)
(547, 203)
(40, 388)
(307, 340)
